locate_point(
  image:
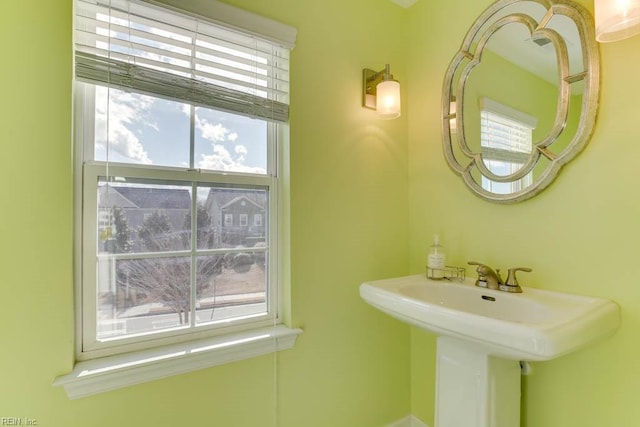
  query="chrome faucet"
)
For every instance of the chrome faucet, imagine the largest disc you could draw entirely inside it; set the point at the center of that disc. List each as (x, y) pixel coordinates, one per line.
(487, 278)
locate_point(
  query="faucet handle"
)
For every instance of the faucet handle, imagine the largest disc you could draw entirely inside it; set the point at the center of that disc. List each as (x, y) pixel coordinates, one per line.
(481, 270)
(511, 284)
(512, 280)
(479, 264)
(481, 281)
(487, 278)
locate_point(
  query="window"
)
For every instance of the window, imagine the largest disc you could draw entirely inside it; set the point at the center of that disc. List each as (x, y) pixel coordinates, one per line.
(257, 220)
(178, 118)
(506, 141)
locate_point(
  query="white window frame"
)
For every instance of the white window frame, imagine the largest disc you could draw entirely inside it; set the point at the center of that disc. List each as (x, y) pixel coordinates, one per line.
(228, 220)
(257, 220)
(244, 220)
(92, 170)
(133, 360)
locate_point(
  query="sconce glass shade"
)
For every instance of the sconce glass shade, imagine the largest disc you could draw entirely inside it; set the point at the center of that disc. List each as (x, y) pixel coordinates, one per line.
(388, 99)
(616, 19)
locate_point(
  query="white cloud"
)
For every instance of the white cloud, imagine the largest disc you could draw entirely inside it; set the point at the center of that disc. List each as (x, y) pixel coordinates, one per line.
(241, 151)
(211, 132)
(219, 160)
(222, 160)
(112, 123)
(214, 132)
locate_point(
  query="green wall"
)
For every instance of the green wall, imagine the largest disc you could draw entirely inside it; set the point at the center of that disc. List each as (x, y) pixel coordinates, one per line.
(349, 223)
(366, 197)
(580, 235)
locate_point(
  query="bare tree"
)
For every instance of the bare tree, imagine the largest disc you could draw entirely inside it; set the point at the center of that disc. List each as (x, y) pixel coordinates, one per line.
(167, 280)
(164, 280)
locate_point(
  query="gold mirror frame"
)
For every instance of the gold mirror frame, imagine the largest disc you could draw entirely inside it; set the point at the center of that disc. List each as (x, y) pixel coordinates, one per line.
(468, 163)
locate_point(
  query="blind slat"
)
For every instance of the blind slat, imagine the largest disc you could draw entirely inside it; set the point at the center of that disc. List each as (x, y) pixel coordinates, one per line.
(205, 70)
(504, 138)
(91, 20)
(142, 47)
(125, 76)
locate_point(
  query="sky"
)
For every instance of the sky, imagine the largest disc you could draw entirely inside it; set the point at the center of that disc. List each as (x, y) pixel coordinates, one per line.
(140, 129)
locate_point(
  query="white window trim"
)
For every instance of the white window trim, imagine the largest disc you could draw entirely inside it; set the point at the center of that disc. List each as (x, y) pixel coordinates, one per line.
(138, 366)
(114, 372)
(89, 347)
(103, 374)
(228, 217)
(234, 17)
(525, 119)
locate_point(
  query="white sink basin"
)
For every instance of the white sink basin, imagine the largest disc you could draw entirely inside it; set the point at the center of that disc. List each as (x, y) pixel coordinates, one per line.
(534, 325)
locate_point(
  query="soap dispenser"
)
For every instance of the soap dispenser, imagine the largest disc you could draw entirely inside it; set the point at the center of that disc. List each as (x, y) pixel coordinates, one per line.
(436, 260)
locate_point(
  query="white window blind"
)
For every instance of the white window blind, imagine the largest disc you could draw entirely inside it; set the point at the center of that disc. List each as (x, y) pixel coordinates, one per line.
(505, 133)
(506, 138)
(137, 46)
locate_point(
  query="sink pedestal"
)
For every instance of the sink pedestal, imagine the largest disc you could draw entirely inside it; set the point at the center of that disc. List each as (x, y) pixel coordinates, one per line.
(473, 388)
(483, 333)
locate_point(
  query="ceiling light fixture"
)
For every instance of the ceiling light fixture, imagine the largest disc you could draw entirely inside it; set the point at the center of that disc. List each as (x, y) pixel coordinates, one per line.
(616, 19)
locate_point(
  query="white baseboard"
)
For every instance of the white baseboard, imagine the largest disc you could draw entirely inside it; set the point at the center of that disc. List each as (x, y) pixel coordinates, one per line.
(409, 421)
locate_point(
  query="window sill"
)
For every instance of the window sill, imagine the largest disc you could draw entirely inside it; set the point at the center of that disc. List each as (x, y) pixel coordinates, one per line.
(114, 372)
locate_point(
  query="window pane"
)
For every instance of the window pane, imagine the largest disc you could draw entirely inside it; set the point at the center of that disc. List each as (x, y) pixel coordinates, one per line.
(228, 142)
(231, 285)
(505, 168)
(142, 295)
(501, 168)
(137, 217)
(223, 217)
(140, 129)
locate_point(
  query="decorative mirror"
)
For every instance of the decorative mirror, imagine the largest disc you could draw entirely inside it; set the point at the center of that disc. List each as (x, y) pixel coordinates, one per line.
(520, 97)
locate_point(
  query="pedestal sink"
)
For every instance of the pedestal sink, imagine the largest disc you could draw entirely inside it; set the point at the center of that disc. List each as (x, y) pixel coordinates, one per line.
(483, 335)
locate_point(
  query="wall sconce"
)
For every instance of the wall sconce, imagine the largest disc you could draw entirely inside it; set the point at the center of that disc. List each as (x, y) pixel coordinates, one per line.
(616, 19)
(381, 92)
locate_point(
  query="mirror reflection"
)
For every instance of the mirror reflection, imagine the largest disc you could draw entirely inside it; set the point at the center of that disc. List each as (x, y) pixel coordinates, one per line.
(520, 96)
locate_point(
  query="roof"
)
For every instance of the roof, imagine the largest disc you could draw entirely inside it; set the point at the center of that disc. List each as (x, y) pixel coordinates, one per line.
(149, 197)
(223, 197)
(241, 198)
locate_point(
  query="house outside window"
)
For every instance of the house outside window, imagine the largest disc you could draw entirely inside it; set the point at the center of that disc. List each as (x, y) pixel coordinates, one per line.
(243, 207)
(164, 172)
(228, 220)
